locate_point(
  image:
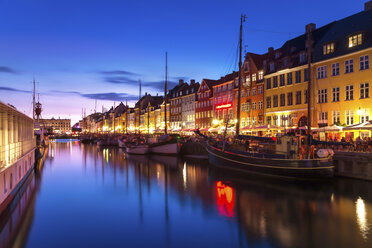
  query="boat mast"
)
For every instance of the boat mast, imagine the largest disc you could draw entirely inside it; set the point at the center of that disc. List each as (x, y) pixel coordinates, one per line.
(33, 103)
(242, 19)
(126, 116)
(165, 92)
(309, 44)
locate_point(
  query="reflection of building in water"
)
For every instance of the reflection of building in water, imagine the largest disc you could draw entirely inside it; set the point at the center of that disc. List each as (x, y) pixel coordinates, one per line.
(15, 223)
(225, 199)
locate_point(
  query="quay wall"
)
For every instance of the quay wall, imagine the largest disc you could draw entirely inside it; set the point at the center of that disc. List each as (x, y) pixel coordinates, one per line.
(193, 148)
(356, 165)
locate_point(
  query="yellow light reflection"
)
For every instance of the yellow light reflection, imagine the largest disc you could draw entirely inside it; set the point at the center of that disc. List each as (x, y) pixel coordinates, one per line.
(362, 217)
(184, 172)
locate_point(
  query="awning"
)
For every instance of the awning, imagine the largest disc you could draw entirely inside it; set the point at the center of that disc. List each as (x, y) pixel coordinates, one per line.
(333, 128)
(361, 126)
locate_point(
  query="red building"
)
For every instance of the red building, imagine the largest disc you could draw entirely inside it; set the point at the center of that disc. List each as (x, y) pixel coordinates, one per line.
(204, 104)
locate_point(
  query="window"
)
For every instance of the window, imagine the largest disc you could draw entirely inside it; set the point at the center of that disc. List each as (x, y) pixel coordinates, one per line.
(298, 97)
(305, 96)
(364, 63)
(260, 105)
(268, 120)
(243, 122)
(275, 120)
(253, 91)
(268, 83)
(259, 90)
(349, 66)
(336, 94)
(248, 92)
(272, 66)
(242, 94)
(364, 90)
(336, 117)
(323, 117)
(355, 40)
(335, 69)
(289, 78)
(282, 80)
(306, 75)
(282, 100)
(363, 115)
(328, 48)
(275, 101)
(254, 106)
(275, 82)
(298, 77)
(268, 102)
(322, 72)
(349, 92)
(302, 58)
(349, 117)
(260, 75)
(290, 99)
(322, 96)
(254, 77)
(246, 66)
(285, 62)
(277, 55)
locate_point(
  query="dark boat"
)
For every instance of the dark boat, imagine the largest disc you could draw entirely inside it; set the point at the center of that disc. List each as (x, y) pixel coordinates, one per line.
(284, 161)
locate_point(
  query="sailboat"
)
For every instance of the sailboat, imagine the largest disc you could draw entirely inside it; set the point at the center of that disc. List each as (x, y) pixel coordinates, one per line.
(285, 156)
(166, 144)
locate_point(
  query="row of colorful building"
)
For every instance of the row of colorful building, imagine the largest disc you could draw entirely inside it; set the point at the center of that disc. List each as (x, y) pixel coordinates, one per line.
(274, 87)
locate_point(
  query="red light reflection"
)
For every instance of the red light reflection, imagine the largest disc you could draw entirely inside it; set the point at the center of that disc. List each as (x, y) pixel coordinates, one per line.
(225, 199)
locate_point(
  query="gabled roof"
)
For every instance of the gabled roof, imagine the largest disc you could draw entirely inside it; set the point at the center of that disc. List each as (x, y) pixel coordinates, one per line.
(340, 31)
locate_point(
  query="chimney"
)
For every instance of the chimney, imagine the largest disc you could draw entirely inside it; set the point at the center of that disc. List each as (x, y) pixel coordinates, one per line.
(145, 93)
(270, 50)
(181, 82)
(310, 27)
(192, 81)
(368, 6)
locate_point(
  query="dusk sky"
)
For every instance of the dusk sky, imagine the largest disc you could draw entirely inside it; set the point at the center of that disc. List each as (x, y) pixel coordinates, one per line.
(82, 50)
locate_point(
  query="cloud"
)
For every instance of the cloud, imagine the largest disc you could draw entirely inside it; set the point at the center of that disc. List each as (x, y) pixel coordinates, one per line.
(107, 96)
(121, 80)
(14, 90)
(159, 85)
(7, 69)
(118, 72)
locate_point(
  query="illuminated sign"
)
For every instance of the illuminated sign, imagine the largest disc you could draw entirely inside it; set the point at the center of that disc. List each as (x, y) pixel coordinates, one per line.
(223, 106)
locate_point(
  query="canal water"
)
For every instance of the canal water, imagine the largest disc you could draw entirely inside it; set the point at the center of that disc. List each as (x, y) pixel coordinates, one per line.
(87, 196)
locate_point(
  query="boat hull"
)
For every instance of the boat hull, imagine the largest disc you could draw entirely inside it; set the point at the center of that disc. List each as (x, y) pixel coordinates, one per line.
(121, 143)
(166, 149)
(138, 150)
(291, 168)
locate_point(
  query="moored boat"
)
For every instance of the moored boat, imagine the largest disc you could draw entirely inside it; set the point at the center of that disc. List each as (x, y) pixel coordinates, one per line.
(166, 145)
(286, 160)
(137, 149)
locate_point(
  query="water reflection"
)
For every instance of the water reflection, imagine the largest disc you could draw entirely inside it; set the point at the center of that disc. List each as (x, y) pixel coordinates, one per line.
(92, 197)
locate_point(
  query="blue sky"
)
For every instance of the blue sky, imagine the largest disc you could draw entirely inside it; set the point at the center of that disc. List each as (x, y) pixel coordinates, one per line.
(82, 50)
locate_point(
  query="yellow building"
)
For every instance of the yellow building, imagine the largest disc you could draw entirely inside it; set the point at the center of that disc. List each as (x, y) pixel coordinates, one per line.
(342, 73)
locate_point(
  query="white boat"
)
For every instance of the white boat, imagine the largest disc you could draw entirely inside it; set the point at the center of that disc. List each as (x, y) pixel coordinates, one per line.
(137, 149)
(166, 149)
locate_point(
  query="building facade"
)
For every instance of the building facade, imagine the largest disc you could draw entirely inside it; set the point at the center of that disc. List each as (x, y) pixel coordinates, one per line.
(56, 125)
(204, 104)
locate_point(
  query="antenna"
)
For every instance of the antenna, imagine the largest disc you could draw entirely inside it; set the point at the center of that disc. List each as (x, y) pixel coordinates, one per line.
(95, 107)
(165, 92)
(33, 103)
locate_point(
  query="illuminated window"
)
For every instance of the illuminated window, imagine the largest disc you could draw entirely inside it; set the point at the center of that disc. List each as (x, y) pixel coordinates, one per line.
(323, 117)
(260, 75)
(254, 106)
(328, 48)
(260, 105)
(254, 77)
(355, 40)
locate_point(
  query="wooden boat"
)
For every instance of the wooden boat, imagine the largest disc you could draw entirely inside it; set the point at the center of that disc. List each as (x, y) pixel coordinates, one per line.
(287, 163)
(137, 149)
(121, 143)
(166, 145)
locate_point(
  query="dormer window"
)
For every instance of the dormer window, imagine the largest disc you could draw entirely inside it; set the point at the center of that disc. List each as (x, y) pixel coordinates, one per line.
(277, 54)
(246, 66)
(285, 62)
(260, 75)
(328, 48)
(355, 40)
(272, 66)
